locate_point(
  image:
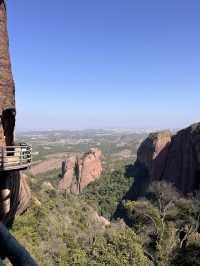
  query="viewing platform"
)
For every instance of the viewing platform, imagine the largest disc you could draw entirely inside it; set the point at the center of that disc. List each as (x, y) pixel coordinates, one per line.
(15, 157)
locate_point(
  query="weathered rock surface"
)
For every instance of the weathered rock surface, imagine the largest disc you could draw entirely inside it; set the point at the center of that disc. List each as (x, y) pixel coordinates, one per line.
(36, 202)
(14, 190)
(24, 194)
(6, 78)
(91, 167)
(173, 158)
(68, 180)
(19, 196)
(78, 172)
(100, 219)
(153, 153)
(7, 86)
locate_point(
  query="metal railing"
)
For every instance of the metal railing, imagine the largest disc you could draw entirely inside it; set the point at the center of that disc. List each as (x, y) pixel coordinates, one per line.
(15, 157)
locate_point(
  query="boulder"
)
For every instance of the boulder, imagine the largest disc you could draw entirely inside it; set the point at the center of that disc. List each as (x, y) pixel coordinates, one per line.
(100, 219)
(47, 186)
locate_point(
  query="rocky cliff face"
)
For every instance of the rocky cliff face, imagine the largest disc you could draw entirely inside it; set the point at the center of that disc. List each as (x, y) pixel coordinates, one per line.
(78, 172)
(18, 195)
(10, 181)
(153, 153)
(7, 86)
(24, 194)
(6, 78)
(15, 194)
(173, 158)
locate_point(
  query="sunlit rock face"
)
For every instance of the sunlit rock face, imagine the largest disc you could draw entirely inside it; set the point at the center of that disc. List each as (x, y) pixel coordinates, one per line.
(7, 86)
(153, 153)
(78, 172)
(90, 167)
(173, 158)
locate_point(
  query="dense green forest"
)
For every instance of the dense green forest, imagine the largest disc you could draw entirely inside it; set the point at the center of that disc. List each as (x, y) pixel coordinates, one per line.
(106, 192)
(161, 228)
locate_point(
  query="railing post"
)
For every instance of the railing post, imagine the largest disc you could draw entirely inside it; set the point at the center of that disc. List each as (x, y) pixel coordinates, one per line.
(2, 162)
(21, 155)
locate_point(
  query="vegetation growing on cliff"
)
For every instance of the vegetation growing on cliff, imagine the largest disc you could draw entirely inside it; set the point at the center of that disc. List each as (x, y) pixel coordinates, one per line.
(168, 225)
(106, 192)
(66, 230)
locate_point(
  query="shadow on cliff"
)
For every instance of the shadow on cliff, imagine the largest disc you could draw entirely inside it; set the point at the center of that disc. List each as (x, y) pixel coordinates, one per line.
(142, 178)
(141, 181)
(137, 190)
(162, 157)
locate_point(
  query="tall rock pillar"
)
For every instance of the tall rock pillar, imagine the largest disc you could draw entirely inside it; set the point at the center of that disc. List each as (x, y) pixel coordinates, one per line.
(7, 87)
(9, 181)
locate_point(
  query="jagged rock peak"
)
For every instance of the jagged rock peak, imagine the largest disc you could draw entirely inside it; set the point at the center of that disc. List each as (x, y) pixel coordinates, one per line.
(78, 172)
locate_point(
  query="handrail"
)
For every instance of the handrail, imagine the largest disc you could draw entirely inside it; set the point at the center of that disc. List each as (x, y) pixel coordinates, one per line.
(15, 157)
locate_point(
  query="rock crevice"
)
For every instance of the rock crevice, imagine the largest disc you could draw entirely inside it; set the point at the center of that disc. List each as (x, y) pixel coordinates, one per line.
(78, 172)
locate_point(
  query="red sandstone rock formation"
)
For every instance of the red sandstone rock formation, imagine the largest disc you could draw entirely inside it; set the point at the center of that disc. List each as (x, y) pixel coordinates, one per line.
(175, 159)
(24, 194)
(91, 167)
(153, 152)
(183, 162)
(10, 181)
(68, 177)
(77, 172)
(7, 87)
(19, 196)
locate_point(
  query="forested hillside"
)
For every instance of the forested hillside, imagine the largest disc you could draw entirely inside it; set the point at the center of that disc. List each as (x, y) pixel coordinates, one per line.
(66, 229)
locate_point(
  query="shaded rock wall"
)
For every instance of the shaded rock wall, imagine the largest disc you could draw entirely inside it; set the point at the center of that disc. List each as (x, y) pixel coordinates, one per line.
(68, 181)
(10, 182)
(175, 159)
(78, 172)
(19, 197)
(24, 199)
(14, 190)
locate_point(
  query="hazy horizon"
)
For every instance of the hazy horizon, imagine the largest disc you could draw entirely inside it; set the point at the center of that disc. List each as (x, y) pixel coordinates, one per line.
(105, 64)
(111, 129)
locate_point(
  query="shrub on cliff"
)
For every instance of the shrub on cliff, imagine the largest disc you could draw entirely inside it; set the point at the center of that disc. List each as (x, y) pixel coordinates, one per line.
(64, 231)
(159, 236)
(189, 256)
(106, 192)
(118, 247)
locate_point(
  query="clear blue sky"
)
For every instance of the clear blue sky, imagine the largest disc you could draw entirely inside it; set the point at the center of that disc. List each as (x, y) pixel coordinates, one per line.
(105, 63)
